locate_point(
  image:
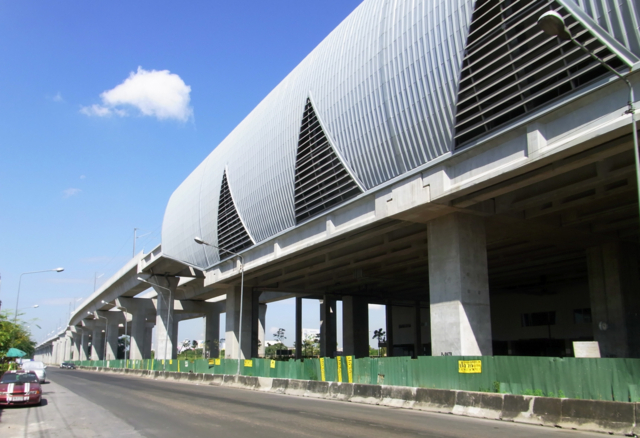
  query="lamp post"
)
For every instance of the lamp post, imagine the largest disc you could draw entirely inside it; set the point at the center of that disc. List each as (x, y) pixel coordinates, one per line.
(199, 241)
(166, 339)
(553, 24)
(15, 318)
(106, 328)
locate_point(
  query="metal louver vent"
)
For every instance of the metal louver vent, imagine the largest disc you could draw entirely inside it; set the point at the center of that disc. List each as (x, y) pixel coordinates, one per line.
(511, 67)
(232, 235)
(321, 180)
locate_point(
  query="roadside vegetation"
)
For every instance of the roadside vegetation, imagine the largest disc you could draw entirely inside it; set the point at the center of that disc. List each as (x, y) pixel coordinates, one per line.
(13, 336)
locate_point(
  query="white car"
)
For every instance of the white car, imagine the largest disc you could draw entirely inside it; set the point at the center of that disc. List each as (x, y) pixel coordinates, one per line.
(36, 367)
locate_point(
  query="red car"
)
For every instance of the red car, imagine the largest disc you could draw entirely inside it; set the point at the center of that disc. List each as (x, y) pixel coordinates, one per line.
(19, 388)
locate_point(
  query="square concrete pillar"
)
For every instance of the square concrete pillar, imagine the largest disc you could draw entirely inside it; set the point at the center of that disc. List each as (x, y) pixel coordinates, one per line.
(389, 325)
(84, 344)
(256, 345)
(97, 342)
(355, 326)
(298, 327)
(262, 316)
(614, 282)
(148, 340)
(233, 323)
(212, 333)
(459, 286)
(165, 332)
(112, 322)
(328, 323)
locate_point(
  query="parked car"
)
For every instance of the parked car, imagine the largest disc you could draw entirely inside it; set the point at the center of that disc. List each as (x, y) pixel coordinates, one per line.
(68, 366)
(20, 388)
(37, 367)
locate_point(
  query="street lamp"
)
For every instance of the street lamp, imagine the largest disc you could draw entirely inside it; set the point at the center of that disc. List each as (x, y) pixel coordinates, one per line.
(169, 325)
(106, 328)
(15, 318)
(199, 241)
(553, 24)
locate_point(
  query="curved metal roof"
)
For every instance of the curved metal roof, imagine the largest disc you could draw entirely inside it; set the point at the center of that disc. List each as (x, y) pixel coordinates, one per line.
(384, 86)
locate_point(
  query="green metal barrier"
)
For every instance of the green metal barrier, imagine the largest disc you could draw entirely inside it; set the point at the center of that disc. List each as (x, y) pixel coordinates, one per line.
(594, 379)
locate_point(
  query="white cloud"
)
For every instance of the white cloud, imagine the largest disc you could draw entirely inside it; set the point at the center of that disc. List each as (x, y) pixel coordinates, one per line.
(82, 176)
(57, 97)
(154, 93)
(70, 192)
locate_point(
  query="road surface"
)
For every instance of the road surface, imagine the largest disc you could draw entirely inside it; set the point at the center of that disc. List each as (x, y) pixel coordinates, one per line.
(89, 404)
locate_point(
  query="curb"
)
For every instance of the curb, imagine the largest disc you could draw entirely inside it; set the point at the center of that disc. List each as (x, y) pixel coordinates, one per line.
(588, 415)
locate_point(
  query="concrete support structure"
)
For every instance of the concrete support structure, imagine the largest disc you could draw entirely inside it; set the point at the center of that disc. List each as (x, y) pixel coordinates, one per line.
(112, 331)
(84, 344)
(262, 316)
(418, 349)
(328, 321)
(97, 341)
(233, 323)
(139, 310)
(459, 286)
(68, 345)
(165, 342)
(148, 340)
(212, 333)
(389, 325)
(256, 344)
(298, 328)
(355, 326)
(614, 282)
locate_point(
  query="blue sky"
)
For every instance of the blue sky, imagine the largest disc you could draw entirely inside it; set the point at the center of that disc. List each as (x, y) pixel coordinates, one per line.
(86, 156)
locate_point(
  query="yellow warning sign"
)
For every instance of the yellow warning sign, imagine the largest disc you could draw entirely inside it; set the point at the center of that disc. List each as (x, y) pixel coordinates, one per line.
(273, 363)
(217, 362)
(350, 368)
(322, 368)
(248, 363)
(212, 361)
(470, 366)
(339, 363)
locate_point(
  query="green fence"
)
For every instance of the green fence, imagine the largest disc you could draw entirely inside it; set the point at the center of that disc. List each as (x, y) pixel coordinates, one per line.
(594, 379)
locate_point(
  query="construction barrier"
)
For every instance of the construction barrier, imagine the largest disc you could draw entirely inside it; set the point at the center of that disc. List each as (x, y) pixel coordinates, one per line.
(588, 379)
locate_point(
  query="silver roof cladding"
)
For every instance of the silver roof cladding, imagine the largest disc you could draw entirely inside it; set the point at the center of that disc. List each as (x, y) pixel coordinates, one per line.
(384, 86)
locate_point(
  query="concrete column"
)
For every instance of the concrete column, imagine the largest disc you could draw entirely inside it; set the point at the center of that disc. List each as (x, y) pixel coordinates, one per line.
(389, 325)
(298, 327)
(233, 324)
(68, 345)
(97, 342)
(459, 286)
(262, 315)
(148, 340)
(165, 341)
(614, 282)
(212, 333)
(112, 331)
(255, 323)
(84, 344)
(418, 350)
(328, 337)
(355, 326)
(139, 309)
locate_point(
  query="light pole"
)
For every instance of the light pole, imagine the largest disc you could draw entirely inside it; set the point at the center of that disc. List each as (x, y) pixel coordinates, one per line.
(15, 318)
(199, 241)
(169, 325)
(553, 24)
(106, 328)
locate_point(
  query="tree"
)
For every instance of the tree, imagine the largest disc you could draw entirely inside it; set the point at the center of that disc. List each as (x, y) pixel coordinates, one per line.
(123, 346)
(279, 335)
(14, 335)
(380, 335)
(311, 345)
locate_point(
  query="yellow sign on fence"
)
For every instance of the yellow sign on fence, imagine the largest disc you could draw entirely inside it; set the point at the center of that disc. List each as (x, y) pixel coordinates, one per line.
(217, 361)
(322, 368)
(212, 361)
(350, 368)
(248, 363)
(339, 363)
(273, 363)
(470, 366)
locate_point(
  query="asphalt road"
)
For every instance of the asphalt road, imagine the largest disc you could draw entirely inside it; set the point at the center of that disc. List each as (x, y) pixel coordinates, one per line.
(88, 404)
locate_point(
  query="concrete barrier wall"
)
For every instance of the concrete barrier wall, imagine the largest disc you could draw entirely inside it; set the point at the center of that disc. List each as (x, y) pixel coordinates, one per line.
(589, 415)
